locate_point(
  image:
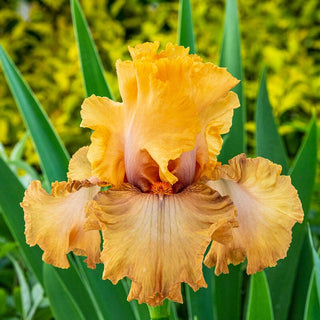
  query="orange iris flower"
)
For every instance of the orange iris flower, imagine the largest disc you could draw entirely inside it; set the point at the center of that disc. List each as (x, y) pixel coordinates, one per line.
(169, 197)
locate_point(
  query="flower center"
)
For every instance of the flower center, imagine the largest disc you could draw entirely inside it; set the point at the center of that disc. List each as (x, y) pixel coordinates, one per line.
(161, 188)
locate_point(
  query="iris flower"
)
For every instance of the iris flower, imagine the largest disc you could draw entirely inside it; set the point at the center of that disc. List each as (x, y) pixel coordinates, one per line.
(169, 197)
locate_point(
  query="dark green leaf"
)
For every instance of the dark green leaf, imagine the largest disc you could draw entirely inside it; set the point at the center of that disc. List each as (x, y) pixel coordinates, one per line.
(11, 193)
(200, 303)
(281, 279)
(53, 156)
(230, 57)
(302, 282)
(91, 66)
(268, 141)
(312, 310)
(259, 303)
(227, 294)
(111, 299)
(62, 303)
(185, 29)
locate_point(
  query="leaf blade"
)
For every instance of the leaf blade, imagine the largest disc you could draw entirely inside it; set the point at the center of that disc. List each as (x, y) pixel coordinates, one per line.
(186, 35)
(53, 155)
(281, 279)
(259, 303)
(230, 57)
(11, 193)
(268, 141)
(91, 66)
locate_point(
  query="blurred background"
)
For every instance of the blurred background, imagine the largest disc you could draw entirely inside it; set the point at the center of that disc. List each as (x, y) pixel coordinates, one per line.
(283, 35)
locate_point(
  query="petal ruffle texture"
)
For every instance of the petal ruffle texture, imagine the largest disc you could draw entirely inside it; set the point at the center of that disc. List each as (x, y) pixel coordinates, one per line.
(79, 165)
(56, 222)
(173, 103)
(159, 242)
(268, 207)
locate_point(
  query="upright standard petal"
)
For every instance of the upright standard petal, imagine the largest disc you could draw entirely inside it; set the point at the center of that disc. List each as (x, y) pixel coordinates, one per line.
(174, 105)
(106, 153)
(268, 207)
(159, 241)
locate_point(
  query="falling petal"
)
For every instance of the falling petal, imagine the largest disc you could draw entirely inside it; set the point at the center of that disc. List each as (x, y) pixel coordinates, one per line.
(268, 207)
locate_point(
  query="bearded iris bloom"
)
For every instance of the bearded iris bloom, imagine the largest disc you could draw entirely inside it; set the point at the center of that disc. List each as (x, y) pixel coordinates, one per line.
(169, 197)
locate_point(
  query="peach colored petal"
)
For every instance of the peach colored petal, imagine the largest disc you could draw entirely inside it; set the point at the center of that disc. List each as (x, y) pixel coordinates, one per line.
(215, 121)
(56, 222)
(268, 207)
(174, 105)
(158, 241)
(79, 165)
(106, 153)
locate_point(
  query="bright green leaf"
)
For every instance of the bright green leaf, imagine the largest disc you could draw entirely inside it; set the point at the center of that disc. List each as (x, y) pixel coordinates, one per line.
(91, 66)
(185, 28)
(268, 141)
(312, 310)
(259, 303)
(316, 263)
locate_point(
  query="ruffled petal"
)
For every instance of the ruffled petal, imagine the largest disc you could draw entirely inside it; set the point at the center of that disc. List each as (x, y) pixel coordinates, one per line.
(56, 222)
(159, 241)
(79, 165)
(106, 152)
(268, 207)
(173, 105)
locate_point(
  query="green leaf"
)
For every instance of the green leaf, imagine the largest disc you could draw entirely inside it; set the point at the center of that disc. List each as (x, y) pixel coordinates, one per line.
(18, 148)
(302, 282)
(19, 164)
(200, 303)
(91, 66)
(37, 296)
(11, 193)
(109, 299)
(53, 155)
(227, 294)
(268, 141)
(62, 303)
(303, 171)
(185, 28)
(230, 57)
(259, 304)
(316, 263)
(25, 290)
(281, 279)
(312, 310)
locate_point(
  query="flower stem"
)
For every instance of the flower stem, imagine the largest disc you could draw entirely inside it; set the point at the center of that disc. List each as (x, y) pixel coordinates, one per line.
(160, 312)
